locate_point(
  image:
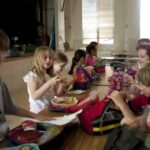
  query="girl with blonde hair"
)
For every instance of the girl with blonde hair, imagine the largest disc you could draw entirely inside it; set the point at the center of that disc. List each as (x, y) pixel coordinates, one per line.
(42, 86)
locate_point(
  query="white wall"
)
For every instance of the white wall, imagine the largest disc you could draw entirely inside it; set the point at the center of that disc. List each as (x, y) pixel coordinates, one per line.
(132, 20)
(126, 30)
(69, 26)
(73, 16)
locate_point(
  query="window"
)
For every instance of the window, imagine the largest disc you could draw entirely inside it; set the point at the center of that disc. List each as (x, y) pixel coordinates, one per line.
(98, 21)
(144, 19)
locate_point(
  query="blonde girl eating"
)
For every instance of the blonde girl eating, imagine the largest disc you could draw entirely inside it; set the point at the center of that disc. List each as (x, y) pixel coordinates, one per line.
(41, 84)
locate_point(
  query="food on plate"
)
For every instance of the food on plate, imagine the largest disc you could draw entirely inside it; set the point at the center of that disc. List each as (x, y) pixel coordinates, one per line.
(76, 92)
(65, 101)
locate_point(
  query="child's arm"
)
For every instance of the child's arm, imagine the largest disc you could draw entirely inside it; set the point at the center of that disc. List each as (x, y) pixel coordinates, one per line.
(68, 82)
(24, 113)
(133, 122)
(148, 120)
(61, 87)
(37, 91)
(119, 100)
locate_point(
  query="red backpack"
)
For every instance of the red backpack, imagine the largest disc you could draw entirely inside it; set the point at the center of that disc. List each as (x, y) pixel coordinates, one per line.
(100, 118)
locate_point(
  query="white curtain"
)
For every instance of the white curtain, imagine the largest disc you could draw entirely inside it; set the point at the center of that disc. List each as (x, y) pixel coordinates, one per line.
(98, 21)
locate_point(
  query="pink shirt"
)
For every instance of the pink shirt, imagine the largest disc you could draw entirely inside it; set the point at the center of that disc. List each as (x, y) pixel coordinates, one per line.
(90, 60)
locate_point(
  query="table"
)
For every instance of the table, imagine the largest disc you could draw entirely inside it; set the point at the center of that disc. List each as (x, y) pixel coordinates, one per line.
(104, 77)
(121, 58)
(78, 139)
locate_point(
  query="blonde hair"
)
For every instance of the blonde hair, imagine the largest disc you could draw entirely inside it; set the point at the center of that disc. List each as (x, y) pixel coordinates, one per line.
(4, 41)
(39, 56)
(144, 75)
(60, 57)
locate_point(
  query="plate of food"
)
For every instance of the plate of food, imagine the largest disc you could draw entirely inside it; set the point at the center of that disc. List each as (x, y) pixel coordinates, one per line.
(64, 101)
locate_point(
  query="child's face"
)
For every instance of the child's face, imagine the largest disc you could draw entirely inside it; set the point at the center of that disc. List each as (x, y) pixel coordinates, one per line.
(48, 61)
(142, 57)
(145, 90)
(82, 60)
(59, 66)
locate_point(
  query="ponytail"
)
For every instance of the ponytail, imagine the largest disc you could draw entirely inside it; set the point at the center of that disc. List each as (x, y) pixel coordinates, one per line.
(74, 62)
(77, 56)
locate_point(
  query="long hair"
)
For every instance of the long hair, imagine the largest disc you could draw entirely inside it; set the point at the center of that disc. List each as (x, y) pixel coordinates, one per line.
(38, 60)
(75, 60)
(143, 75)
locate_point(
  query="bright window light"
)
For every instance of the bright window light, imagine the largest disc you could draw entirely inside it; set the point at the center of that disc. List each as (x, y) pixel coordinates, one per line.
(144, 19)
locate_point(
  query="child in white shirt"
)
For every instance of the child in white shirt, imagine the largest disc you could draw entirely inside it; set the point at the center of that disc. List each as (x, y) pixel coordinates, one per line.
(41, 84)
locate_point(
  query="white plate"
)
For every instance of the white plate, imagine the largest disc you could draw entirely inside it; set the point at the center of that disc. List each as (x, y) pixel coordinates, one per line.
(76, 92)
(73, 101)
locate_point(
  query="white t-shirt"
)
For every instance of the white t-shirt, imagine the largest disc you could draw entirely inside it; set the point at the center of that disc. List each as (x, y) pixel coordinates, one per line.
(39, 104)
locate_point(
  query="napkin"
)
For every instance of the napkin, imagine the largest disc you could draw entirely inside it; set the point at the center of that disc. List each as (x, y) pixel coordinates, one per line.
(59, 120)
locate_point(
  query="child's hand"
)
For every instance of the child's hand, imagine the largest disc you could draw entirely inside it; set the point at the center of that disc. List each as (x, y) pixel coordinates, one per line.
(69, 82)
(43, 117)
(130, 79)
(66, 82)
(54, 80)
(60, 76)
(118, 98)
(133, 122)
